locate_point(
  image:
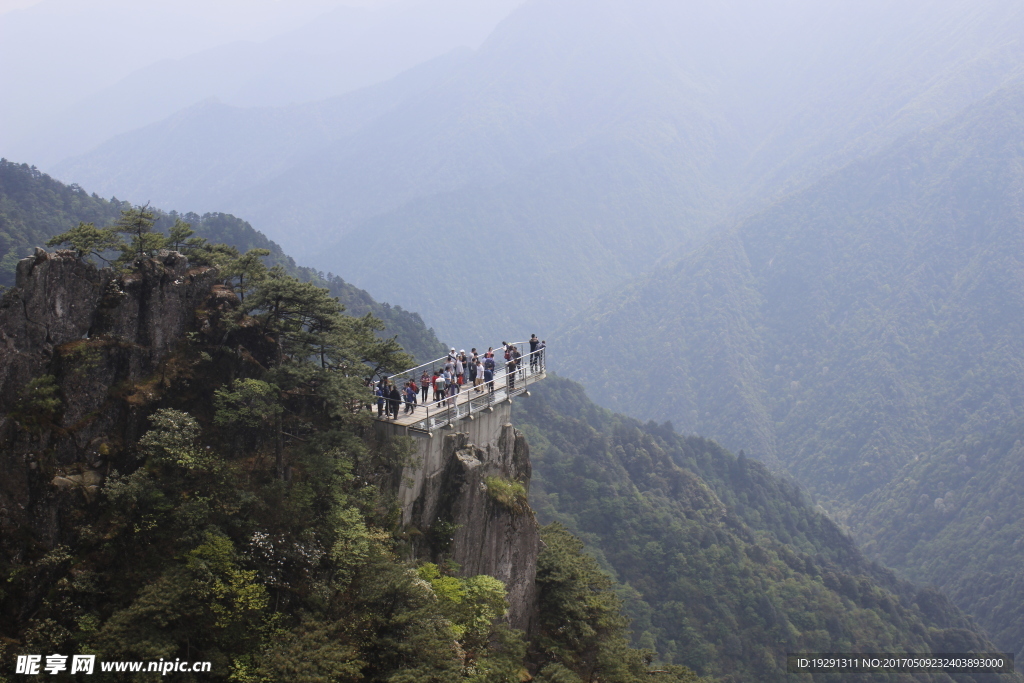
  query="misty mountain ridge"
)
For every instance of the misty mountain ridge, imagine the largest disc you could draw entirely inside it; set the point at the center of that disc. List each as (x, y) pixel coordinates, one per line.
(631, 129)
(34, 208)
(341, 50)
(727, 566)
(860, 334)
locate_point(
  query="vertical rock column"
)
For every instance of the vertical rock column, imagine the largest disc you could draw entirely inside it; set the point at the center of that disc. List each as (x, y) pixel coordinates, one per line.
(495, 534)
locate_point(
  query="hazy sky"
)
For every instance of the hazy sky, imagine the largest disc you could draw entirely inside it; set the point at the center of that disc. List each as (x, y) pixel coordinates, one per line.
(59, 57)
(8, 5)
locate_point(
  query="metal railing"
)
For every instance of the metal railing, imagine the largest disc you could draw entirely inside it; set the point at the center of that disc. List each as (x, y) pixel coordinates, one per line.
(439, 363)
(470, 399)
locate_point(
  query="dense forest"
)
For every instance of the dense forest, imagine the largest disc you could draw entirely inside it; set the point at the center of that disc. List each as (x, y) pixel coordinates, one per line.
(852, 335)
(793, 229)
(252, 514)
(723, 566)
(952, 519)
(34, 208)
(218, 495)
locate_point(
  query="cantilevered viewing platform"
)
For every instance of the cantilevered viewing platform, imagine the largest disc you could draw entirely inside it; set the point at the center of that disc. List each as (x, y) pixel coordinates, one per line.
(470, 400)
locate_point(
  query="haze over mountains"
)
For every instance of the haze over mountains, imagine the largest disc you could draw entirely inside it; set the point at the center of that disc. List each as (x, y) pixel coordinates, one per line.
(866, 335)
(793, 227)
(266, 53)
(726, 567)
(609, 130)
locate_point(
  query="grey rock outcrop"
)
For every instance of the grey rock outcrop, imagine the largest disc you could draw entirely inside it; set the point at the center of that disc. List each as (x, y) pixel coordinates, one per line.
(489, 534)
(104, 338)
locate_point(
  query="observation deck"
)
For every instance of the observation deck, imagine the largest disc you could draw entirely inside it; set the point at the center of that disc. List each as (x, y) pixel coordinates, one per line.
(469, 401)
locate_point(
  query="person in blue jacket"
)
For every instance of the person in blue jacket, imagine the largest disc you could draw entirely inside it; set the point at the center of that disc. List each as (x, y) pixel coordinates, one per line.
(489, 373)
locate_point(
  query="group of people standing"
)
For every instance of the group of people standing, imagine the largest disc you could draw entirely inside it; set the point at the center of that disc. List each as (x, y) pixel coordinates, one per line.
(460, 370)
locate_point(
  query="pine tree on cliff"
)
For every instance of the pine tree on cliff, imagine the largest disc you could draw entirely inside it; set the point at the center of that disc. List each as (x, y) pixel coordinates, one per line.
(137, 224)
(320, 353)
(87, 241)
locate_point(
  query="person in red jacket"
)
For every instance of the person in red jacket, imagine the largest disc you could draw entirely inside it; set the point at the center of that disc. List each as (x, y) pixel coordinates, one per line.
(424, 386)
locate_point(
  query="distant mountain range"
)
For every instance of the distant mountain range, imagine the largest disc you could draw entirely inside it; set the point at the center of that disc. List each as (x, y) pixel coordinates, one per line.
(721, 565)
(865, 335)
(793, 227)
(578, 145)
(267, 54)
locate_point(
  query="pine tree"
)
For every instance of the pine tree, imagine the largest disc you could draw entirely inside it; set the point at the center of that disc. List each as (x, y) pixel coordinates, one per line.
(137, 223)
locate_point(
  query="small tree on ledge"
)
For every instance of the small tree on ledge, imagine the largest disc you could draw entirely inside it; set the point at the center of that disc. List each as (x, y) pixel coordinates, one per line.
(87, 240)
(137, 223)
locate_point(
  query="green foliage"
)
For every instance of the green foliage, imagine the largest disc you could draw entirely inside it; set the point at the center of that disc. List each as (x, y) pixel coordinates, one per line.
(584, 635)
(35, 209)
(313, 652)
(509, 494)
(180, 235)
(474, 607)
(247, 404)
(231, 593)
(134, 222)
(40, 399)
(471, 604)
(725, 567)
(137, 223)
(248, 269)
(88, 240)
(172, 441)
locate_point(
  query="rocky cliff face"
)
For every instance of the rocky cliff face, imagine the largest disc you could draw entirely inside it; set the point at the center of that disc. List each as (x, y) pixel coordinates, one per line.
(464, 498)
(476, 499)
(87, 354)
(97, 342)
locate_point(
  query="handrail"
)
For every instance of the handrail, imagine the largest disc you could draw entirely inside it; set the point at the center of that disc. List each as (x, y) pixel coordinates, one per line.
(443, 412)
(414, 373)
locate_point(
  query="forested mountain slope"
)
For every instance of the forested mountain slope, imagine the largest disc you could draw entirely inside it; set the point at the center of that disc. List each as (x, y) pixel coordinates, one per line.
(727, 567)
(850, 333)
(190, 473)
(34, 207)
(612, 131)
(954, 518)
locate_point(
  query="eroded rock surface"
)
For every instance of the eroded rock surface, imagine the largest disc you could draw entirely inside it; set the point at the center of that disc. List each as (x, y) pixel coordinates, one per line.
(489, 533)
(103, 339)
